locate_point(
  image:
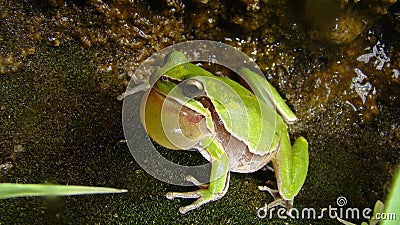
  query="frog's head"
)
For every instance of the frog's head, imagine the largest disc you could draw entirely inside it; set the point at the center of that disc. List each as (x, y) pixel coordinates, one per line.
(176, 70)
(171, 64)
(170, 108)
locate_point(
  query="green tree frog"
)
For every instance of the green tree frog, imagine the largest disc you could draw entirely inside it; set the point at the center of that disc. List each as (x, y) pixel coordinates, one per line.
(188, 107)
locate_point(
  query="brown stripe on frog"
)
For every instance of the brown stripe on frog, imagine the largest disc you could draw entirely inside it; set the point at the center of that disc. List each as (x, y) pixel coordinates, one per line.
(241, 160)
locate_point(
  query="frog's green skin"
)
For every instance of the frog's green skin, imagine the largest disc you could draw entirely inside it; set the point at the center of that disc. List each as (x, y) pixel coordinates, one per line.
(228, 125)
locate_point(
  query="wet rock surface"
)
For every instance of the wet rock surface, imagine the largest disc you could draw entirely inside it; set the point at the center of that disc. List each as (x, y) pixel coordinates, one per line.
(340, 21)
(63, 63)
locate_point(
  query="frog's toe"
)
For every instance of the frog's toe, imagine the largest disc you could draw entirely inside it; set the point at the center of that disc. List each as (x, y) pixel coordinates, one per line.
(196, 204)
(287, 204)
(273, 192)
(191, 194)
(199, 184)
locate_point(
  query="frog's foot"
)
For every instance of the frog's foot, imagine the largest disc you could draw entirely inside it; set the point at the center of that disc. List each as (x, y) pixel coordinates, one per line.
(203, 195)
(278, 200)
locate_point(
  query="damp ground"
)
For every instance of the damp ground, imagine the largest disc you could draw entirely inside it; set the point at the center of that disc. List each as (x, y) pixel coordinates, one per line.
(63, 64)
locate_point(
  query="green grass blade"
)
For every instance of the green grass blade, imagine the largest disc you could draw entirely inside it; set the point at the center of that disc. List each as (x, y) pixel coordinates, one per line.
(393, 203)
(8, 190)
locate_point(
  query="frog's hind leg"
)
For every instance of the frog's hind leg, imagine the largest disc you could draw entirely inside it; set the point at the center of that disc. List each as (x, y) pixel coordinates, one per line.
(264, 90)
(291, 166)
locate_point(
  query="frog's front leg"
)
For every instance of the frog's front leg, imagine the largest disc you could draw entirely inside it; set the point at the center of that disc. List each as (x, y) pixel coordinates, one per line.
(290, 165)
(219, 178)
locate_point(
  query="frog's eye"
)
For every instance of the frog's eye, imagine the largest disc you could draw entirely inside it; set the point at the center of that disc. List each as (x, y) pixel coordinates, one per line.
(192, 88)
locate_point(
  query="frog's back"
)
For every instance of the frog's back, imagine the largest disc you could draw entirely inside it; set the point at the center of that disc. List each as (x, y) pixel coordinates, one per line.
(244, 116)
